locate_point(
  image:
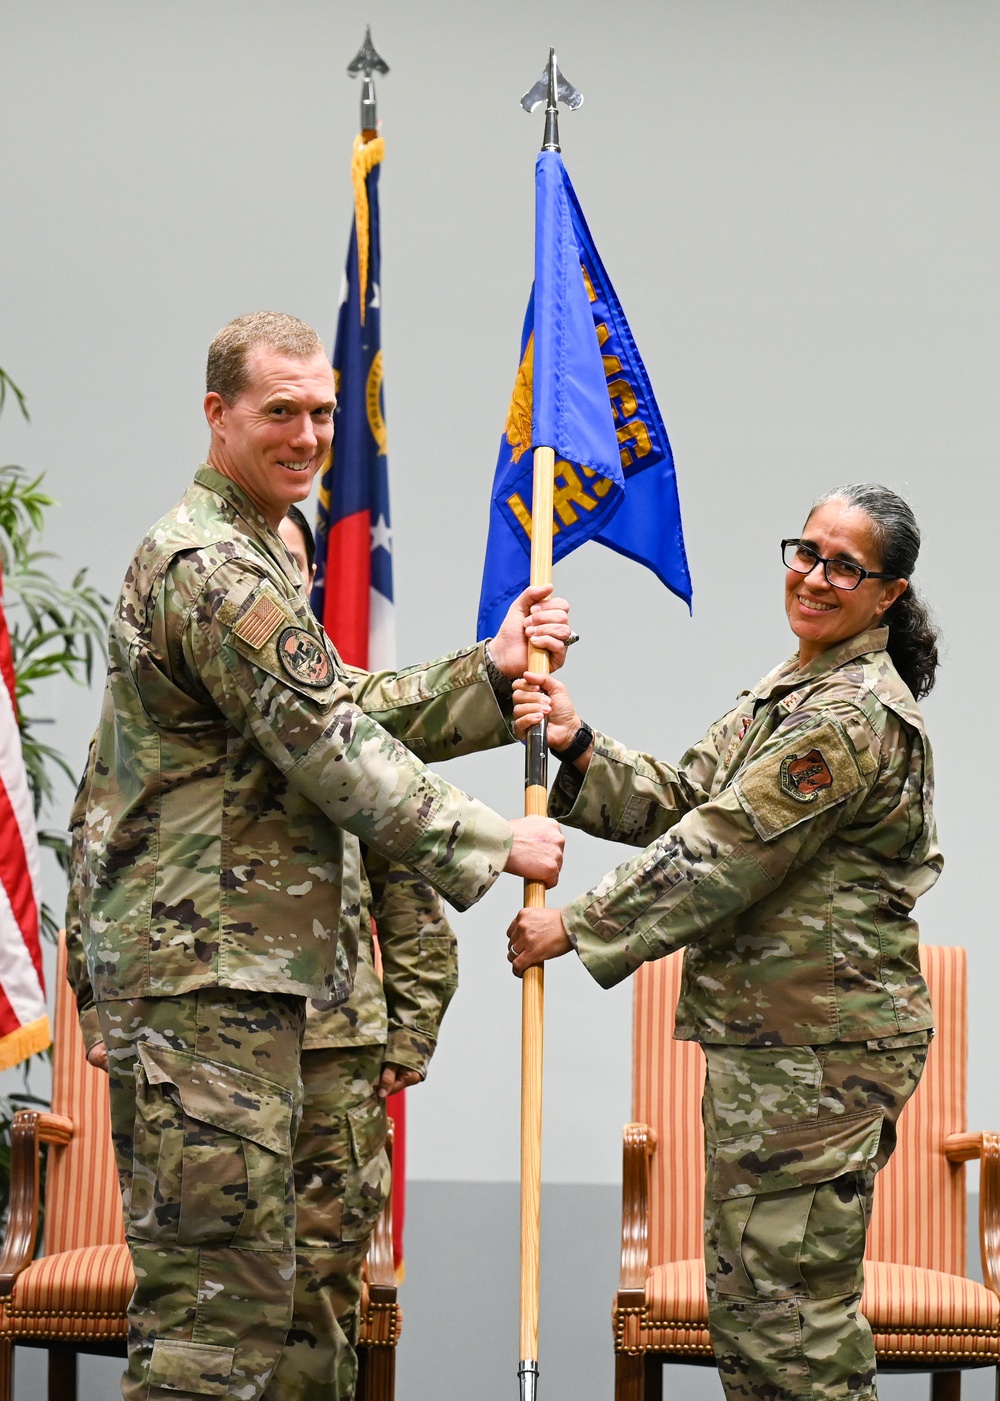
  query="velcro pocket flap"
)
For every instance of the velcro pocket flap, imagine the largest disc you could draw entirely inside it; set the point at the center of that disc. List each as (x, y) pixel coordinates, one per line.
(773, 1160)
(368, 1125)
(201, 1369)
(229, 1099)
(817, 768)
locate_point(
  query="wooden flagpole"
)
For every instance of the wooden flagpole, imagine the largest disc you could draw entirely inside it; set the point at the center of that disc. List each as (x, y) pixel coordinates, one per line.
(551, 88)
(536, 797)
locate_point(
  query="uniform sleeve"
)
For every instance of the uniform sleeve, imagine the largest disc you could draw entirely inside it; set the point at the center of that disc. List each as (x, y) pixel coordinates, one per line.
(726, 854)
(419, 960)
(438, 709)
(275, 682)
(76, 962)
(630, 797)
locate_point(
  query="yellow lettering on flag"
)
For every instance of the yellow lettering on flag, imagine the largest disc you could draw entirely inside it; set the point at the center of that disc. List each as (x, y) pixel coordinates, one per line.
(570, 494)
(638, 434)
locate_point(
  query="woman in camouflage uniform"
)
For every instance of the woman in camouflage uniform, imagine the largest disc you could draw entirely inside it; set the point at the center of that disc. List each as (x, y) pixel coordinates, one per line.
(785, 853)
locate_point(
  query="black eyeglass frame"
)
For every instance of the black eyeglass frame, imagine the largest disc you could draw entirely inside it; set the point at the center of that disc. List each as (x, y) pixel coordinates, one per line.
(863, 574)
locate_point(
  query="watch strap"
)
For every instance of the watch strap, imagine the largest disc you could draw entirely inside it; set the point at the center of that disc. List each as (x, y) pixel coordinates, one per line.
(578, 745)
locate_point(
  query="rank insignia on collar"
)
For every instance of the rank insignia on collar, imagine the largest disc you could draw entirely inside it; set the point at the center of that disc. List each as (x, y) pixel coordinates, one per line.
(304, 658)
(803, 778)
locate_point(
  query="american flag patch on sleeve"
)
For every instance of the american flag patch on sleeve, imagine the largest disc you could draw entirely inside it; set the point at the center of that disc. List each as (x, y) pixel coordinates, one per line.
(259, 622)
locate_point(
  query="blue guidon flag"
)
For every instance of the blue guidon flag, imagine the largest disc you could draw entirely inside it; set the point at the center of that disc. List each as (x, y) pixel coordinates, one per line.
(582, 389)
(352, 594)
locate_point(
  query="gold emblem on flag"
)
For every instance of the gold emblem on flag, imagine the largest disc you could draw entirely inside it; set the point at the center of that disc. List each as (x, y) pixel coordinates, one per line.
(373, 389)
(518, 425)
(259, 622)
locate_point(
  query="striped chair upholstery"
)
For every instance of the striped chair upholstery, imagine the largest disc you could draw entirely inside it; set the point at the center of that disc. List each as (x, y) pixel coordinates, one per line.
(73, 1298)
(925, 1313)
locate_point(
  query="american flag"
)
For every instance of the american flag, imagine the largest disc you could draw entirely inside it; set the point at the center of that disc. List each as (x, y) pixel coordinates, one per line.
(24, 1025)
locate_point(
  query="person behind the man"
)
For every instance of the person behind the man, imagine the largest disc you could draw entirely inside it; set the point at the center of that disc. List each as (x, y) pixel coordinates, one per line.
(355, 1055)
(233, 752)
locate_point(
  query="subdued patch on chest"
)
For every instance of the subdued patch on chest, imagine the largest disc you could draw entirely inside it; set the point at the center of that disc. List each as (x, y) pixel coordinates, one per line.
(259, 622)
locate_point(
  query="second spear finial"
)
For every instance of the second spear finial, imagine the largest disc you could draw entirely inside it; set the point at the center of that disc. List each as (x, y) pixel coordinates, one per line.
(552, 88)
(367, 61)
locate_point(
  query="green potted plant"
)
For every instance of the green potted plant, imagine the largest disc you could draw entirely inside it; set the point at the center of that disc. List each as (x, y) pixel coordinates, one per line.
(55, 629)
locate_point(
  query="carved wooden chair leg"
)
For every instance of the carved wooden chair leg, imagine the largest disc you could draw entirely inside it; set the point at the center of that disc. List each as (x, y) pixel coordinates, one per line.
(629, 1373)
(653, 1379)
(946, 1386)
(376, 1374)
(62, 1374)
(6, 1369)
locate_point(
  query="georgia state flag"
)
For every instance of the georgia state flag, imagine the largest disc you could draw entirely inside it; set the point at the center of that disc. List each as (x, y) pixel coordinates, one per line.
(353, 589)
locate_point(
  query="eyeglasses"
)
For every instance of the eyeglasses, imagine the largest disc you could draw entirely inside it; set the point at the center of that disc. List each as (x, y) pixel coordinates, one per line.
(841, 573)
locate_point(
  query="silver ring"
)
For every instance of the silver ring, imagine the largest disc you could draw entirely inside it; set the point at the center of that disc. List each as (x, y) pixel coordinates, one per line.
(573, 637)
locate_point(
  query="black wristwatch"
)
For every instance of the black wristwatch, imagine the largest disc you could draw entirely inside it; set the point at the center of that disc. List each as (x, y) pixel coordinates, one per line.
(578, 745)
(503, 687)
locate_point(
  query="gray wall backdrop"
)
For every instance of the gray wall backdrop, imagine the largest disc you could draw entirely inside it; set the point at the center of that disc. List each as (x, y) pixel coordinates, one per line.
(797, 203)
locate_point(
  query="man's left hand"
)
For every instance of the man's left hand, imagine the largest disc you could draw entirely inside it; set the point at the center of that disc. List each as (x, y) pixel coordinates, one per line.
(536, 617)
(395, 1078)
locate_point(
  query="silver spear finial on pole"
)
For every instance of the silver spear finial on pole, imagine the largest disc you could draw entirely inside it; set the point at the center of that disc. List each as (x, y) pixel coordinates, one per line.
(367, 61)
(552, 88)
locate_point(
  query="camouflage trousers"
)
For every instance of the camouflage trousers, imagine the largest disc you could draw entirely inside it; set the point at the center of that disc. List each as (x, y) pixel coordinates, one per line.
(205, 1103)
(794, 1137)
(341, 1183)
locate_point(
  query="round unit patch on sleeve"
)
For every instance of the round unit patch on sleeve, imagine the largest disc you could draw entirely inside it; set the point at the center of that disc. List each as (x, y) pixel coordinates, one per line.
(304, 658)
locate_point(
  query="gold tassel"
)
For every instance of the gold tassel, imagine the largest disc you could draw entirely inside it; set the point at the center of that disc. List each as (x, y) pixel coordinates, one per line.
(365, 157)
(26, 1041)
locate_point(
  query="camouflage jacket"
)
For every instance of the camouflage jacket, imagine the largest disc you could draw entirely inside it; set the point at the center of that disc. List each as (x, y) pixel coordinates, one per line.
(785, 851)
(403, 1009)
(233, 751)
(419, 958)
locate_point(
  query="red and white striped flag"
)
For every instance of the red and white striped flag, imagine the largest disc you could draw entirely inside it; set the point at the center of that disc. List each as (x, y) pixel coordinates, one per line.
(24, 1025)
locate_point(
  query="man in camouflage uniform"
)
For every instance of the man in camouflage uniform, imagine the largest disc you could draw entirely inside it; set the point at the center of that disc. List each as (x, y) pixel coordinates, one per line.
(233, 752)
(784, 853)
(355, 1054)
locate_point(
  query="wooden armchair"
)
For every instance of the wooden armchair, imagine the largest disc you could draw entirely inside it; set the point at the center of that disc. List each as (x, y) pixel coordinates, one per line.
(926, 1315)
(73, 1298)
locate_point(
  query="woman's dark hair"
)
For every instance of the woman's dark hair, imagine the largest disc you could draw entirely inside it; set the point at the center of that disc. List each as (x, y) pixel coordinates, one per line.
(912, 635)
(297, 518)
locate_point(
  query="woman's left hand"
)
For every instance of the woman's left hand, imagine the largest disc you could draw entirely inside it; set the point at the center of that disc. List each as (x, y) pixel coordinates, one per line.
(534, 936)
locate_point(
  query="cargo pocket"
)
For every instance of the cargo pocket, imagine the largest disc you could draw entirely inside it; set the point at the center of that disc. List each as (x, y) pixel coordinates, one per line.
(198, 1368)
(774, 1160)
(790, 1208)
(213, 1155)
(368, 1179)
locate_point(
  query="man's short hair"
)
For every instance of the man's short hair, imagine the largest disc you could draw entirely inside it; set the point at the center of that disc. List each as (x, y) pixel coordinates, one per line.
(226, 373)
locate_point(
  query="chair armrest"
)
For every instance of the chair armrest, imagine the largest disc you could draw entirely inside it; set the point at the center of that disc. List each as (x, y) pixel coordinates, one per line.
(989, 1209)
(28, 1132)
(638, 1146)
(381, 1266)
(961, 1147)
